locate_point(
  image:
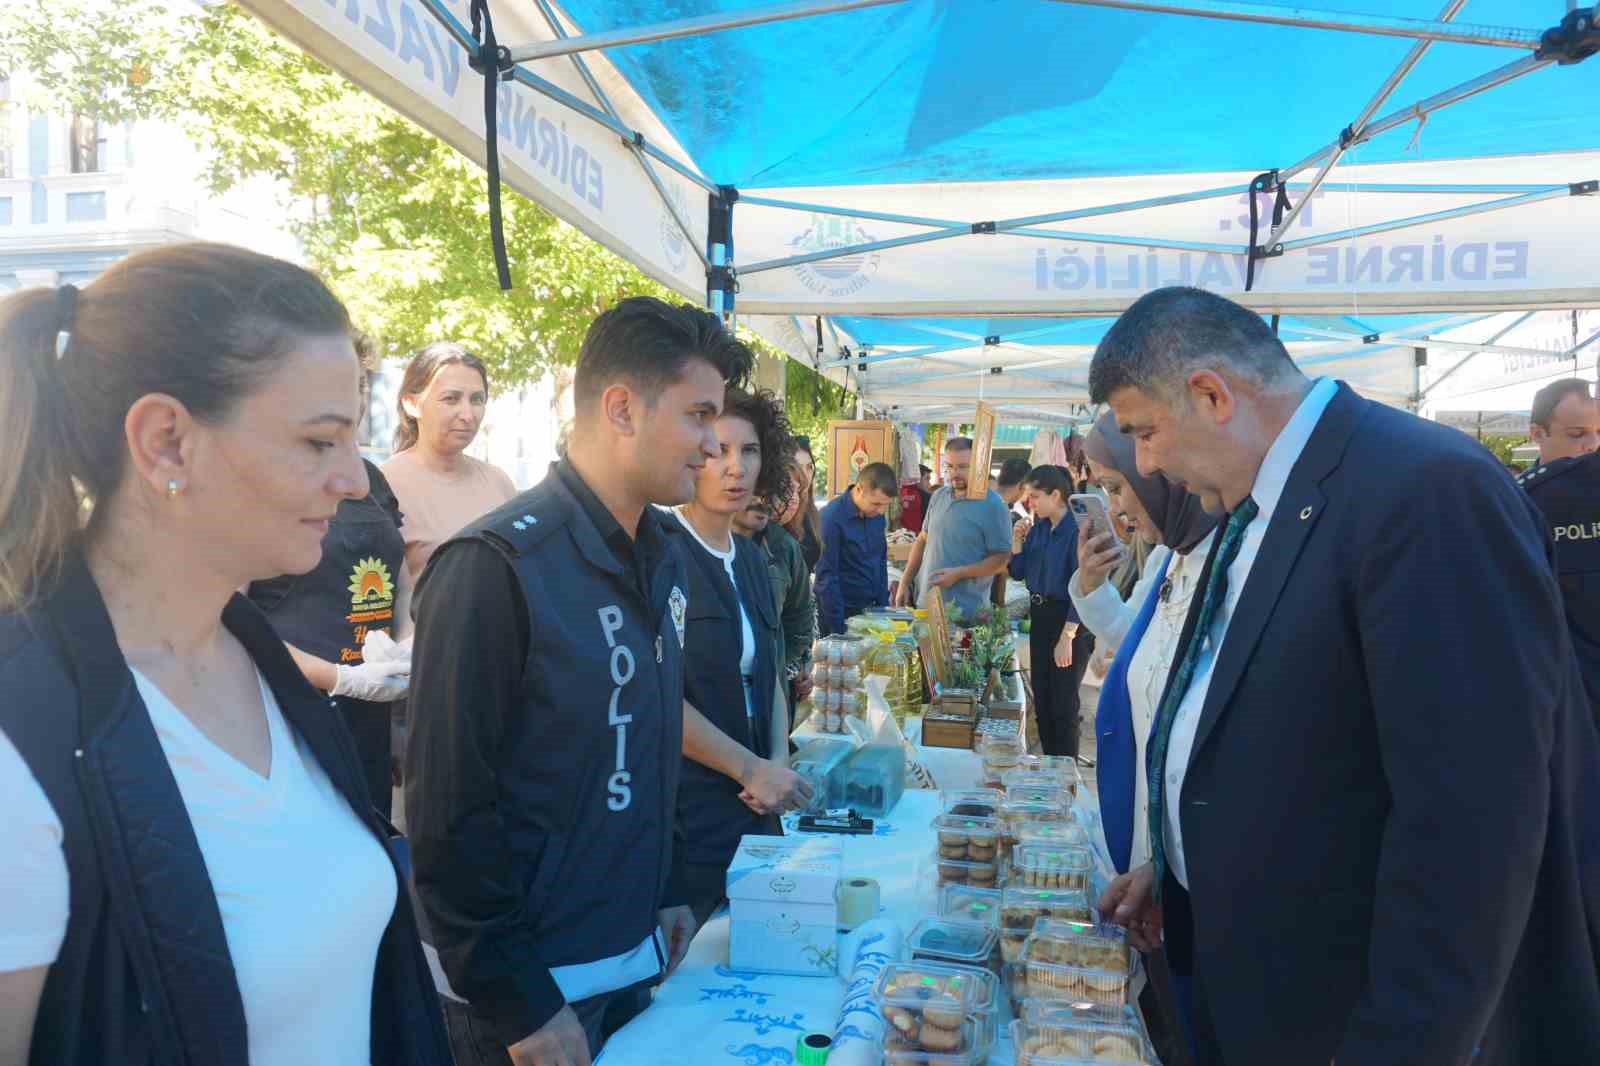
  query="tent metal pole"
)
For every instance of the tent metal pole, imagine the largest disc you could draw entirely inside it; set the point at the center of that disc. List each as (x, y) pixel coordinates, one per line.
(1352, 131)
(847, 212)
(1469, 346)
(1380, 340)
(1422, 108)
(1118, 208)
(965, 231)
(1347, 22)
(852, 249)
(523, 76)
(914, 353)
(1134, 241)
(1423, 220)
(451, 24)
(650, 171)
(1501, 333)
(1429, 190)
(687, 27)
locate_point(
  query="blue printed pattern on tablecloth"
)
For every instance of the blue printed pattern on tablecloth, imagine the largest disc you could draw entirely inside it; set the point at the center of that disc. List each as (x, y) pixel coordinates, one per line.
(761, 1054)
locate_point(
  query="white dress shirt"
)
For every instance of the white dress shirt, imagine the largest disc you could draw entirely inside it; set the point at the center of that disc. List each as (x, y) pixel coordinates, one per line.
(1267, 491)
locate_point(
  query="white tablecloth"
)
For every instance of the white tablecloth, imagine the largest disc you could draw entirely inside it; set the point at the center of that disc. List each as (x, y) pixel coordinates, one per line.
(709, 1014)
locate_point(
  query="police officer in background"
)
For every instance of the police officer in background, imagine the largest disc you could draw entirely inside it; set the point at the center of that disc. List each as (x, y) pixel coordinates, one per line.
(547, 707)
(1566, 488)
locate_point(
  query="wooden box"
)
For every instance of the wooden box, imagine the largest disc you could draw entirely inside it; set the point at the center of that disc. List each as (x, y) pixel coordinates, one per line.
(962, 702)
(1003, 698)
(948, 731)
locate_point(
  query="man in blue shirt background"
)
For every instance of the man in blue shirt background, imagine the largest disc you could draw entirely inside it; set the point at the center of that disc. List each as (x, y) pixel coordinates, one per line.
(853, 573)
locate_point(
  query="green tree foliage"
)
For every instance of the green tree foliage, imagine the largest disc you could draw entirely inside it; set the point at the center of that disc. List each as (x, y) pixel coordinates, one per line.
(812, 401)
(394, 218)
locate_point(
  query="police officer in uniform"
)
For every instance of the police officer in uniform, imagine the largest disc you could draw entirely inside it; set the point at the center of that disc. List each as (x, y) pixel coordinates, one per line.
(1565, 424)
(547, 705)
(1567, 491)
(324, 617)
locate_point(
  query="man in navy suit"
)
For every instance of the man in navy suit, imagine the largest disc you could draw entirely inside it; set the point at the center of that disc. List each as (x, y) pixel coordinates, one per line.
(1373, 774)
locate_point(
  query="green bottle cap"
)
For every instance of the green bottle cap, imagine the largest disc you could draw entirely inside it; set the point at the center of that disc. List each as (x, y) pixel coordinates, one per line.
(812, 1049)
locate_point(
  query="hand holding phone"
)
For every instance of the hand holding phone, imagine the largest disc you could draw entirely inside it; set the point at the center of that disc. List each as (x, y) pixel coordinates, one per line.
(1091, 513)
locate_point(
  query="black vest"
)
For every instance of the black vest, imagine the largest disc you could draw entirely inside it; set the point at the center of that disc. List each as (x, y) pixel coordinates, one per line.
(144, 974)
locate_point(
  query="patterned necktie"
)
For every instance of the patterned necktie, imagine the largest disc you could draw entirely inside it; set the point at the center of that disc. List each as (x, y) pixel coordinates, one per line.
(1216, 592)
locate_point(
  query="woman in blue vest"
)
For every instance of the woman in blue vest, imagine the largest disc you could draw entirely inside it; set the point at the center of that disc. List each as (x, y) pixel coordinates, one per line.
(190, 869)
(1145, 629)
(736, 729)
(324, 616)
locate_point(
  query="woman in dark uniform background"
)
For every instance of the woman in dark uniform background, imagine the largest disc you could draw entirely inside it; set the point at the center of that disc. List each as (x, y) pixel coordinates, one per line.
(736, 728)
(324, 616)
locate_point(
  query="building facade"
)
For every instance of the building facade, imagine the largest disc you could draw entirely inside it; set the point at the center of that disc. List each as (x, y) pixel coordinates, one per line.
(76, 195)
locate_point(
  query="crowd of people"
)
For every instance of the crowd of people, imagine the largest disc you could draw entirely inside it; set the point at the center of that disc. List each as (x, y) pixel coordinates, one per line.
(1348, 764)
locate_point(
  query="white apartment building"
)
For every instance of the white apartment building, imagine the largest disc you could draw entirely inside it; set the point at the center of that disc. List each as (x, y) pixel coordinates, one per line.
(76, 195)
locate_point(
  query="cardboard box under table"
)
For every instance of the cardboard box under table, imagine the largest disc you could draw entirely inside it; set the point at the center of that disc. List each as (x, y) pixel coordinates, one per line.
(783, 909)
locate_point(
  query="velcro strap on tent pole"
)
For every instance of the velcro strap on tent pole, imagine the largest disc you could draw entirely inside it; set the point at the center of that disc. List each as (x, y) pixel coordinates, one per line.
(490, 61)
(1263, 182)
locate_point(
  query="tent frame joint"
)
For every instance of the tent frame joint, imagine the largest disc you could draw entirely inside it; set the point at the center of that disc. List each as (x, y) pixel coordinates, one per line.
(983, 227)
(1585, 188)
(1575, 38)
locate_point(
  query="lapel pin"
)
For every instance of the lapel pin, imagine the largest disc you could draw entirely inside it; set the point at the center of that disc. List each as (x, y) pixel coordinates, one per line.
(1305, 514)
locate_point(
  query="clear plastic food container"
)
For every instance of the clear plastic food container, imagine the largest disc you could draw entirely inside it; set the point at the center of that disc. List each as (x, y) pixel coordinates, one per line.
(966, 872)
(1021, 907)
(1053, 835)
(967, 903)
(1064, 768)
(1077, 984)
(956, 943)
(929, 1014)
(818, 761)
(1085, 1044)
(1045, 867)
(1080, 944)
(961, 837)
(874, 779)
(973, 803)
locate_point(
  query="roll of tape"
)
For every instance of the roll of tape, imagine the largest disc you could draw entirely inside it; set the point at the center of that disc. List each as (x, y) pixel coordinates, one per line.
(859, 898)
(812, 1049)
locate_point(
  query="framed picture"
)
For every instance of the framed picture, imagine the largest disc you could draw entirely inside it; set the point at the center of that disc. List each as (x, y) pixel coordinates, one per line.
(852, 446)
(982, 452)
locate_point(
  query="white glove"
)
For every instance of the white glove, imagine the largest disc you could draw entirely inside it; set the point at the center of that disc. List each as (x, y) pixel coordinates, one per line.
(380, 647)
(374, 682)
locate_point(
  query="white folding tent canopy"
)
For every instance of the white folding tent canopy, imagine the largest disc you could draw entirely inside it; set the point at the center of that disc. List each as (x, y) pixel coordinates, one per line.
(899, 167)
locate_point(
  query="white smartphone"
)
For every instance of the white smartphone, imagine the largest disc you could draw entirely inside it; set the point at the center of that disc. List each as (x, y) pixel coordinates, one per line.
(1090, 508)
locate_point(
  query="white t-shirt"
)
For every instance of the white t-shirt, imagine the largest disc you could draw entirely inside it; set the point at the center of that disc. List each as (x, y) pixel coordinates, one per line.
(747, 656)
(304, 889)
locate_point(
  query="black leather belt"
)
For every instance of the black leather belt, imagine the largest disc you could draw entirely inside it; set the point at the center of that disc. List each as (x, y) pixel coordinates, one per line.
(1043, 601)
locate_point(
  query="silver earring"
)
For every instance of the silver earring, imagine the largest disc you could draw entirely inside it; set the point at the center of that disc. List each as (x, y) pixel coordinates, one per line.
(173, 488)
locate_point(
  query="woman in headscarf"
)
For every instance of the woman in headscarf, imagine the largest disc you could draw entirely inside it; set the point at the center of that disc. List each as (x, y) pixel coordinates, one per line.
(1146, 628)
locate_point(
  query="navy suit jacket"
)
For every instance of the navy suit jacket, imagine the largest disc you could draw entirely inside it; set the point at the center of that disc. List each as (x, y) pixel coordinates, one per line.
(1390, 817)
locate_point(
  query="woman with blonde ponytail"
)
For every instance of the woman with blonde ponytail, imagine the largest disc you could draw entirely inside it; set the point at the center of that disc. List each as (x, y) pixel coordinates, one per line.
(190, 870)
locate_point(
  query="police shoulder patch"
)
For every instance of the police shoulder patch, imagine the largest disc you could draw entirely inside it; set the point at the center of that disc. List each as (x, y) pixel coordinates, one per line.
(524, 521)
(1540, 475)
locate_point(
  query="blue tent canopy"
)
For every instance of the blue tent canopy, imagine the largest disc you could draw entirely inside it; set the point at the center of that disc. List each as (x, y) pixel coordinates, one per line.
(1008, 90)
(960, 194)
